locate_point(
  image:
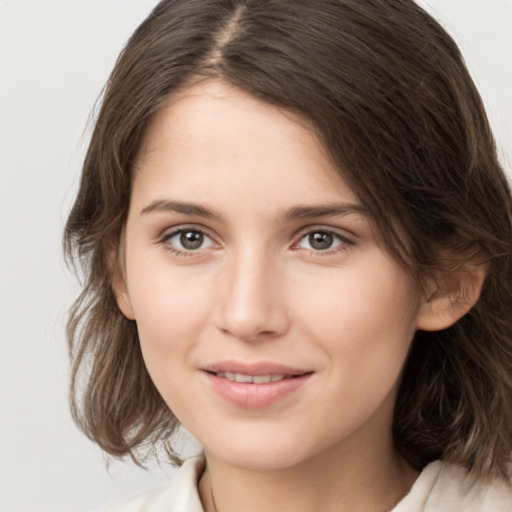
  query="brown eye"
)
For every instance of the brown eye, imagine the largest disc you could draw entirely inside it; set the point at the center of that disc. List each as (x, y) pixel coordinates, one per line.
(188, 240)
(191, 240)
(321, 240)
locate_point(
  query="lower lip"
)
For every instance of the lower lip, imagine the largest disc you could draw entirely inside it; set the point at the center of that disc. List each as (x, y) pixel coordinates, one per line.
(253, 396)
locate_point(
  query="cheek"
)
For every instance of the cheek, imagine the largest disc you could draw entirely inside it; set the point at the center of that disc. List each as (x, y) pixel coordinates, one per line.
(169, 324)
(171, 309)
(359, 301)
(364, 321)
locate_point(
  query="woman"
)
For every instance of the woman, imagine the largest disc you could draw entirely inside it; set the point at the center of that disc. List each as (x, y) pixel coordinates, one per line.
(296, 237)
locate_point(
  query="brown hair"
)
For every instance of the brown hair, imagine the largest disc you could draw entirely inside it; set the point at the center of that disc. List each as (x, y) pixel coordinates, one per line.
(387, 93)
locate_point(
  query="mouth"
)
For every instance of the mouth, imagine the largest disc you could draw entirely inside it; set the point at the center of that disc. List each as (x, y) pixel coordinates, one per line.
(255, 373)
(255, 385)
(253, 379)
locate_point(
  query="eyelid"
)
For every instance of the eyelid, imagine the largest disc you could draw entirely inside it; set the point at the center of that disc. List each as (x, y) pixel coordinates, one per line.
(171, 232)
(344, 234)
(346, 241)
(346, 237)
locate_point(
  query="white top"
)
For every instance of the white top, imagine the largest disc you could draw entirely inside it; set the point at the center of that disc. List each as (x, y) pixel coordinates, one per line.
(441, 487)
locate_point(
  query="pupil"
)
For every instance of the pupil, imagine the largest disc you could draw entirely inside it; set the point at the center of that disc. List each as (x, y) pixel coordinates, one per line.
(320, 240)
(191, 239)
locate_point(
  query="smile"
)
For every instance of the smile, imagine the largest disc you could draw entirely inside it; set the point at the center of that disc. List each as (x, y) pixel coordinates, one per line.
(255, 385)
(252, 379)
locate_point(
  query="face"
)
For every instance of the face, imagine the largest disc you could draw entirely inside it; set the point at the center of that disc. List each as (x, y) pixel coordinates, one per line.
(271, 320)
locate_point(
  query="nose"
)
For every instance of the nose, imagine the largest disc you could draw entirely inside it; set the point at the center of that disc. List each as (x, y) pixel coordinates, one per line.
(253, 303)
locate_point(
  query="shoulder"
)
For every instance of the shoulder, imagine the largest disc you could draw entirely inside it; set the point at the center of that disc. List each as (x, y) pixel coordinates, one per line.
(443, 487)
(179, 494)
(480, 495)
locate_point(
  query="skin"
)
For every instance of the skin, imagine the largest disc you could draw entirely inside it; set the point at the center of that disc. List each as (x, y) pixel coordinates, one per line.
(257, 289)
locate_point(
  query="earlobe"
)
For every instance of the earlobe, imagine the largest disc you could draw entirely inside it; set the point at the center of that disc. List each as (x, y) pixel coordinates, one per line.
(122, 296)
(450, 298)
(120, 288)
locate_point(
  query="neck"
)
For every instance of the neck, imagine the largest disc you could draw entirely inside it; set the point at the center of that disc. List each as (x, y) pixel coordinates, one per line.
(358, 480)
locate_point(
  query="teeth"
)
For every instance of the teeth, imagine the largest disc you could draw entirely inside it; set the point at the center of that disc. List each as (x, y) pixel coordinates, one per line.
(261, 379)
(240, 377)
(253, 379)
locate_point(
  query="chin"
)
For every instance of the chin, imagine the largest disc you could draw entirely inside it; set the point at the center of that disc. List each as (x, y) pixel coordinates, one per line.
(259, 459)
(260, 452)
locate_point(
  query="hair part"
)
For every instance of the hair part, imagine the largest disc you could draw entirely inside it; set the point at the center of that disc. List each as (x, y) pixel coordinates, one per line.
(387, 93)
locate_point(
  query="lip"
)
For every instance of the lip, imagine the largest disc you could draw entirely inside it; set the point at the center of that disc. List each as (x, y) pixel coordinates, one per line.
(251, 395)
(258, 368)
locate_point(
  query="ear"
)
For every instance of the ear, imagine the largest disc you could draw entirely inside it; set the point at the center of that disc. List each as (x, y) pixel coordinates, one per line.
(119, 286)
(450, 297)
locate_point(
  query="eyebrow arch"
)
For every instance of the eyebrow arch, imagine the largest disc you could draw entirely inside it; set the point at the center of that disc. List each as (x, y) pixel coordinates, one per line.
(295, 213)
(168, 205)
(329, 210)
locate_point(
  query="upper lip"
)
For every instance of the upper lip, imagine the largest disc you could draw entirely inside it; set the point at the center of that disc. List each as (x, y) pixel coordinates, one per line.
(258, 368)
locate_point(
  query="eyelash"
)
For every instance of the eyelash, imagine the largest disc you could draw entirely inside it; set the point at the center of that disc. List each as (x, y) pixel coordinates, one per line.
(343, 245)
(165, 240)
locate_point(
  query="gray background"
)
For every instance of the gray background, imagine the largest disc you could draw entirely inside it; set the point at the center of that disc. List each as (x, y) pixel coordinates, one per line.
(55, 56)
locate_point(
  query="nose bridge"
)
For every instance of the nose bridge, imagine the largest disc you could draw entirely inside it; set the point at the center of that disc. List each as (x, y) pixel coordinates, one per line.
(253, 302)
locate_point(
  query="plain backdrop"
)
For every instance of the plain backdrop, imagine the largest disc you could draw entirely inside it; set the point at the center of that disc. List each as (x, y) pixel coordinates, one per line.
(55, 56)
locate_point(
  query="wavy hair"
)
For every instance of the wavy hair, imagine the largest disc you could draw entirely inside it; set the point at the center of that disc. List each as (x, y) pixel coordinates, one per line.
(386, 91)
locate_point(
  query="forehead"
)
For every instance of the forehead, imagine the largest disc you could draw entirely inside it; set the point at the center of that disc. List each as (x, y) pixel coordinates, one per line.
(214, 140)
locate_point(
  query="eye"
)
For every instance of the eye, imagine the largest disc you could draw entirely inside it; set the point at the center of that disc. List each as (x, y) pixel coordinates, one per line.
(322, 240)
(188, 240)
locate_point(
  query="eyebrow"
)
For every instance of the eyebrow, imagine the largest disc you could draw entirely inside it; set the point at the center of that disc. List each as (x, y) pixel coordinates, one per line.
(329, 210)
(295, 213)
(167, 205)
